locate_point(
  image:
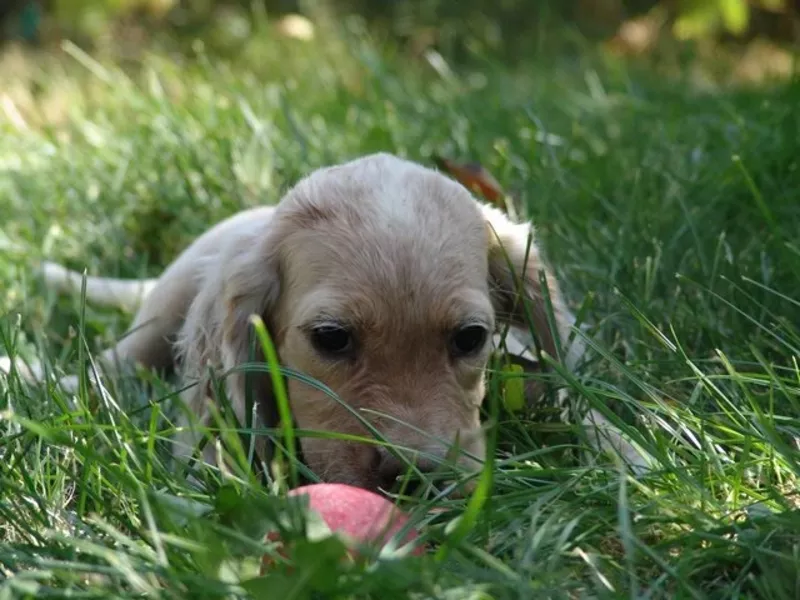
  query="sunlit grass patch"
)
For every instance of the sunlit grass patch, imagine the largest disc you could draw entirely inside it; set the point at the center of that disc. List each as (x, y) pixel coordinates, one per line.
(671, 215)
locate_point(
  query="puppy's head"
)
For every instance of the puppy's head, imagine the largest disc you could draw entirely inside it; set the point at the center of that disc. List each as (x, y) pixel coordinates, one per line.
(387, 283)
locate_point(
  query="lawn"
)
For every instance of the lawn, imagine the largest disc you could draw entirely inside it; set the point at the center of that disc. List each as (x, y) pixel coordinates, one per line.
(671, 212)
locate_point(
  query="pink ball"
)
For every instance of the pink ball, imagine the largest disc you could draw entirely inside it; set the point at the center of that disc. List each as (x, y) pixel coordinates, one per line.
(356, 514)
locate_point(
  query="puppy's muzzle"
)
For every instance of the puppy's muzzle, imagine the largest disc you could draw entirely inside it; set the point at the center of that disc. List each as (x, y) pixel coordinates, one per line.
(397, 468)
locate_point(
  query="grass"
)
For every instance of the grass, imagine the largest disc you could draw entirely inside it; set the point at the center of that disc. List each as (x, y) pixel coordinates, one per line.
(670, 213)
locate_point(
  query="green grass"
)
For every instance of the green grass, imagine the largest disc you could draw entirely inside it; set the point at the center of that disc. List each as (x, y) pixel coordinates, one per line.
(672, 216)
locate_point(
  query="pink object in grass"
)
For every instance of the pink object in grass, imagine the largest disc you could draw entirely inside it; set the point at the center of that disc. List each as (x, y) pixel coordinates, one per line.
(357, 515)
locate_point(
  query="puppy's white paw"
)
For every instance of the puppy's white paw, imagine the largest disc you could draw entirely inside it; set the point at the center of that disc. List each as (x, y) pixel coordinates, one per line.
(30, 373)
(604, 436)
(34, 373)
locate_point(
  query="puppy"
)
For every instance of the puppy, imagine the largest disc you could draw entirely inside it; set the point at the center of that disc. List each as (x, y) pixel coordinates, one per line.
(380, 278)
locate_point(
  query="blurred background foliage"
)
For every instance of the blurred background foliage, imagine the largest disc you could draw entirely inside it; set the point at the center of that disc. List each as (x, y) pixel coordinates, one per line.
(456, 28)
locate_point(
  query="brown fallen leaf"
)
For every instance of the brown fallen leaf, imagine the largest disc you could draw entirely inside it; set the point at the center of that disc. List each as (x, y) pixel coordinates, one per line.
(474, 177)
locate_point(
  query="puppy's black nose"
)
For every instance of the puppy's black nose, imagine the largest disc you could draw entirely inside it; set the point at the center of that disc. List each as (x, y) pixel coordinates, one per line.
(392, 468)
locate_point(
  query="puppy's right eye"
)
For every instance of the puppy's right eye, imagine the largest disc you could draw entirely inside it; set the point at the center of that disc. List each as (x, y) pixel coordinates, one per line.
(331, 339)
(468, 340)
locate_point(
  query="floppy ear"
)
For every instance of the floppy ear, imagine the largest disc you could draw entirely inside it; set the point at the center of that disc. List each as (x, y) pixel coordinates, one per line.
(243, 281)
(251, 286)
(521, 301)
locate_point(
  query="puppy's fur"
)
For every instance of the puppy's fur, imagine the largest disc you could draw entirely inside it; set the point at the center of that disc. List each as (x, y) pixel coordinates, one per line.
(375, 277)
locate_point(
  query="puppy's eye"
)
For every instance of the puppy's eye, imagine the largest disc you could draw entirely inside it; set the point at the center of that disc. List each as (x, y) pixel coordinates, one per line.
(331, 339)
(468, 340)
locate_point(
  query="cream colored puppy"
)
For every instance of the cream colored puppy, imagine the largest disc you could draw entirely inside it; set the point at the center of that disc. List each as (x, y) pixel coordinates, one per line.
(382, 279)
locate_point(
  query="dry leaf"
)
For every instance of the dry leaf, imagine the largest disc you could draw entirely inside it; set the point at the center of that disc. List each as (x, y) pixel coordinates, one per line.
(474, 177)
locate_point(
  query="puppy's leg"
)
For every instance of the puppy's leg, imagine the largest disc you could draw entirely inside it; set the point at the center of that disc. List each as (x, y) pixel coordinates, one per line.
(166, 302)
(104, 291)
(162, 303)
(148, 341)
(602, 434)
(127, 294)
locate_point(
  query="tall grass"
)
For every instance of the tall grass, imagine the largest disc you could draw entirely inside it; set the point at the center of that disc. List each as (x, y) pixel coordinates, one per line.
(671, 215)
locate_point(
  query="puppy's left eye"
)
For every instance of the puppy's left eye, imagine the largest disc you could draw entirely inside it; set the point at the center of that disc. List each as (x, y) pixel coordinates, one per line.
(468, 340)
(331, 339)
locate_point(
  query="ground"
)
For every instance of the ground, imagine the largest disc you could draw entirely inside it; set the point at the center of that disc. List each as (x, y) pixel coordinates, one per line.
(670, 211)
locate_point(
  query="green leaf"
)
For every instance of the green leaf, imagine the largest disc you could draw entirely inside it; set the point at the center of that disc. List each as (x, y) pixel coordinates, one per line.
(513, 388)
(696, 20)
(735, 15)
